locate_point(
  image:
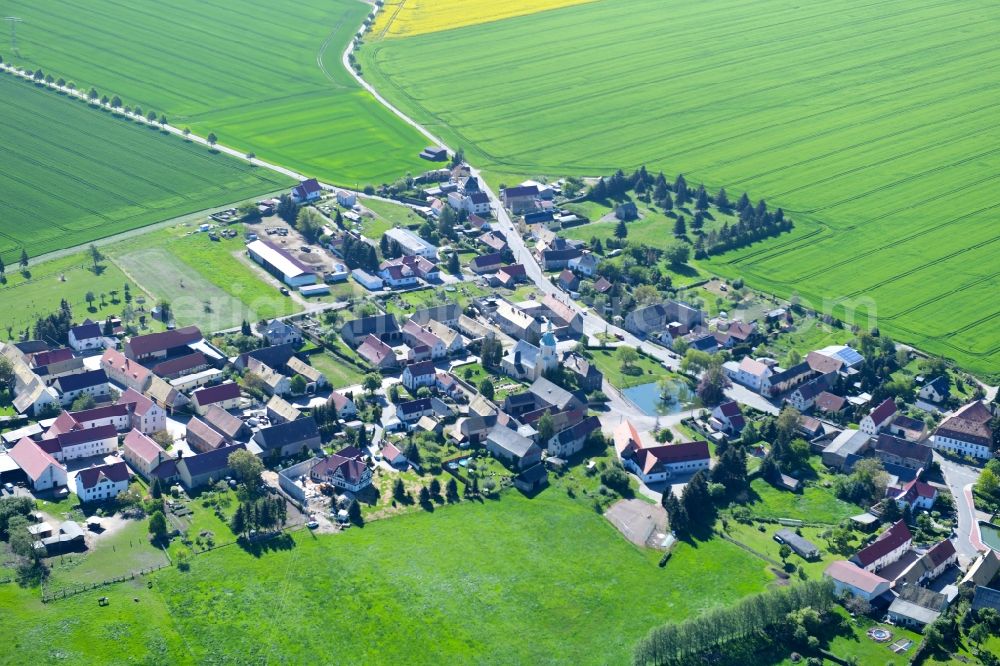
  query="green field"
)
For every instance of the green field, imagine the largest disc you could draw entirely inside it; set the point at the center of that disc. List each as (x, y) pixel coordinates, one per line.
(458, 586)
(265, 77)
(70, 174)
(873, 124)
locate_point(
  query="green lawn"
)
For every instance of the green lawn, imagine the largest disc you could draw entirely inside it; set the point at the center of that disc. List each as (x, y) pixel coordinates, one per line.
(814, 504)
(871, 138)
(502, 384)
(264, 77)
(454, 586)
(188, 269)
(25, 299)
(338, 373)
(126, 550)
(71, 174)
(387, 216)
(643, 371)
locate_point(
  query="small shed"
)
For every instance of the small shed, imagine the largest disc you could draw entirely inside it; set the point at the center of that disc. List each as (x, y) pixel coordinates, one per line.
(532, 480)
(804, 548)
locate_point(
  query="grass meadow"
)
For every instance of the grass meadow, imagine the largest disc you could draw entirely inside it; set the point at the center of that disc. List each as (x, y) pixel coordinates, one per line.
(264, 77)
(458, 586)
(873, 125)
(71, 174)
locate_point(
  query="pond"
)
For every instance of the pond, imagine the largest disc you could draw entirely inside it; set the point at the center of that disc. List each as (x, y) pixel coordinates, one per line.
(662, 398)
(990, 534)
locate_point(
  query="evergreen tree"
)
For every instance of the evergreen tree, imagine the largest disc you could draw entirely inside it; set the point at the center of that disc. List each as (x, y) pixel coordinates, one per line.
(399, 491)
(435, 488)
(680, 227)
(743, 203)
(24, 259)
(383, 246)
(245, 328)
(451, 490)
(701, 199)
(680, 189)
(155, 491)
(424, 496)
(722, 200)
(621, 231)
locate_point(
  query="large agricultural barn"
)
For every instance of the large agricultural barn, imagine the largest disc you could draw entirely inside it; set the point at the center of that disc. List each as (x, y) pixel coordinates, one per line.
(281, 264)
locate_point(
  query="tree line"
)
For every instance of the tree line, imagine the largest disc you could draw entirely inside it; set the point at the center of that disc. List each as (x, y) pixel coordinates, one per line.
(687, 642)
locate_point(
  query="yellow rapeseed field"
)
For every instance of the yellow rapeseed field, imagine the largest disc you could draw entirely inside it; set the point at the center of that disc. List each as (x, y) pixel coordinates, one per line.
(405, 18)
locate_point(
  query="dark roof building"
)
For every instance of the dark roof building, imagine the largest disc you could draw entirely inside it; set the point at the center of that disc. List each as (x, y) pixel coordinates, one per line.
(290, 438)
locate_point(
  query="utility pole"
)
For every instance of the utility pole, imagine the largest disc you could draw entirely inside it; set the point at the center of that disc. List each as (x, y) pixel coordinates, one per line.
(13, 20)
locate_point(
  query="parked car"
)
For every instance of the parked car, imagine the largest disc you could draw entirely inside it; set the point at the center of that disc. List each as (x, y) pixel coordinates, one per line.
(9, 487)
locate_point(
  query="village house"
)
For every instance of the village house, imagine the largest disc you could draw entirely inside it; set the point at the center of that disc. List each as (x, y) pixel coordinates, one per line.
(226, 396)
(659, 463)
(895, 451)
(307, 191)
(53, 363)
(879, 418)
(519, 200)
(288, 439)
(391, 454)
(345, 469)
(97, 441)
(781, 381)
(102, 482)
(586, 264)
(143, 454)
(43, 471)
(416, 335)
(278, 332)
(346, 198)
(165, 396)
(915, 493)
(205, 468)
(495, 241)
(486, 263)
(124, 371)
(588, 377)
(936, 390)
(93, 383)
(378, 354)
(532, 479)
(909, 428)
(384, 327)
(510, 276)
(967, 432)
(564, 320)
(804, 396)
(515, 322)
(145, 415)
(417, 375)
(569, 441)
(651, 321)
(88, 335)
(727, 418)
(886, 549)
(344, 405)
(201, 437)
(829, 403)
(748, 372)
(117, 416)
(367, 280)
(279, 410)
(225, 423)
(513, 448)
(851, 579)
(446, 314)
(154, 347)
(315, 380)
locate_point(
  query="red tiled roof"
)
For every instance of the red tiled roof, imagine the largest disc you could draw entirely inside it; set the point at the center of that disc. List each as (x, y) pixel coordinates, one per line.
(888, 541)
(119, 363)
(157, 342)
(85, 435)
(941, 552)
(142, 446)
(52, 356)
(976, 412)
(823, 364)
(883, 411)
(31, 458)
(91, 476)
(853, 575)
(139, 403)
(626, 436)
(180, 364)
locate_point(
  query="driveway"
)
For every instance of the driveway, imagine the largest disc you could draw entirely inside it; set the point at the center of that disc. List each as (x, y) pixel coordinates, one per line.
(960, 479)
